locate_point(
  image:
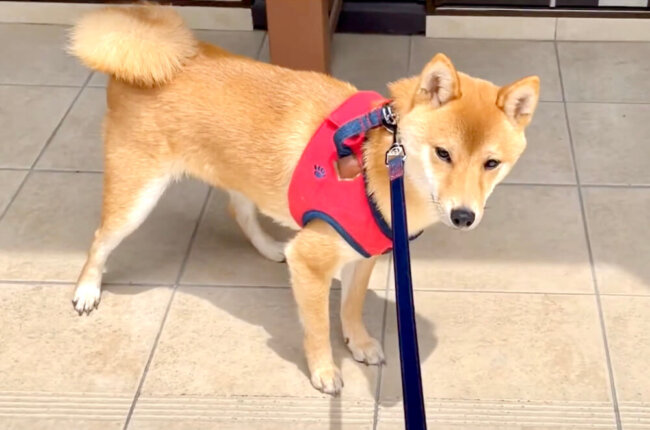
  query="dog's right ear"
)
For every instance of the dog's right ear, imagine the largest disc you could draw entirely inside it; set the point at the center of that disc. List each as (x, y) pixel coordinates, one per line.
(439, 82)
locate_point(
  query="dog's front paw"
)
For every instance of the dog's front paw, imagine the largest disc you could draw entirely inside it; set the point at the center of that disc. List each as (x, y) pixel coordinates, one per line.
(367, 351)
(327, 379)
(86, 297)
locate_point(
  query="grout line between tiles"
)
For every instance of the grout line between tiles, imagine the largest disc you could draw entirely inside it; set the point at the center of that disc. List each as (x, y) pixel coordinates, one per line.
(408, 57)
(508, 183)
(72, 282)
(9, 84)
(599, 306)
(259, 49)
(181, 271)
(604, 102)
(515, 292)
(44, 148)
(536, 184)
(382, 340)
(550, 185)
(278, 287)
(14, 169)
(54, 170)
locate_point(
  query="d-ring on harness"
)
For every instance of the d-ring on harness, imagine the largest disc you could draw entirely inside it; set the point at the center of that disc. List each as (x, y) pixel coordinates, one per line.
(414, 414)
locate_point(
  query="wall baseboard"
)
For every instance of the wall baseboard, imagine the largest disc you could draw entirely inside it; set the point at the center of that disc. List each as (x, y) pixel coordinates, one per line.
(196, 17)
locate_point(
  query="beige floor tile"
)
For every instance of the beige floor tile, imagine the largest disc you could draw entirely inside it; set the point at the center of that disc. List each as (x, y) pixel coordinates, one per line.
(611, 142)
(504, 361)
(627, 322)
(47, 231)
(77, 144)
(547, 158)
(202, 369)
(321, 424)
(28, 116)
(605, 72)
(59, 370)
(620, 248)
(500, 61)
(530, 239)
(222, 255)
(370, 62)
(34, 54)
(9, 182)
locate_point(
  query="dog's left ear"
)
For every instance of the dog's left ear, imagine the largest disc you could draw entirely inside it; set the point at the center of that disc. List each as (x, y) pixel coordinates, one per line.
(439, 82)
(519, 100)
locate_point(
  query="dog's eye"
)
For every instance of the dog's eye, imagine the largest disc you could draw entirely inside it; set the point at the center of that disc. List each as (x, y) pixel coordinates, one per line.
(443, 154)
(491, 164)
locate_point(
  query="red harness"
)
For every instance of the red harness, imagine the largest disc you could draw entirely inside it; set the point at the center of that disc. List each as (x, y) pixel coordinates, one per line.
(316, 192)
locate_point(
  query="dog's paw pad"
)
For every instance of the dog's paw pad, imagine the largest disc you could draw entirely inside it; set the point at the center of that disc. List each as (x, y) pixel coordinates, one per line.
(327, 379)
(368, 351)
(86, 298)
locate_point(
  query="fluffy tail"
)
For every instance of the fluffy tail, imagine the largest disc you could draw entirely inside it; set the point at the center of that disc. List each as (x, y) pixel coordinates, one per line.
(142, 45)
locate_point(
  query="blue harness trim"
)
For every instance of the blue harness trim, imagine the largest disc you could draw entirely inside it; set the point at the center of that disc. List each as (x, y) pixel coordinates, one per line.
(379, 218)
(314, 214)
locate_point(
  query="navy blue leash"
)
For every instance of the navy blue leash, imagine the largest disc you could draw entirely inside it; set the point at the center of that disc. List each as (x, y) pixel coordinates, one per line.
(413, 399)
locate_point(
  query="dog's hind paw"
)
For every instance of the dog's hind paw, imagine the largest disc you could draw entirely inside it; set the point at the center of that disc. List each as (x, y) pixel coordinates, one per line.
(273, 250)
(327, 379)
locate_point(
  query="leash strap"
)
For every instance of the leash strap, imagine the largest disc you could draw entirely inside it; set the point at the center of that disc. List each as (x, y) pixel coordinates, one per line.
(413, 399)
(355, 127)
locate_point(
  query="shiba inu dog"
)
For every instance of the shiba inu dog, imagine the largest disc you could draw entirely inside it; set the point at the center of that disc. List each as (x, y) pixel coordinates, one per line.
(177, 106)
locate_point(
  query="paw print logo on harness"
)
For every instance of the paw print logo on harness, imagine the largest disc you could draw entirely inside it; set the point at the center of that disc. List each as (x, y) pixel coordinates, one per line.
(319, 172)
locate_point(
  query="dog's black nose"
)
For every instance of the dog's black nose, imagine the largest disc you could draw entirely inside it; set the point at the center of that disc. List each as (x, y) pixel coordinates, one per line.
(462, 217)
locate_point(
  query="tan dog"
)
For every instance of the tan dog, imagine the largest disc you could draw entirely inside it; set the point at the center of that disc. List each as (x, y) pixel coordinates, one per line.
(177, 106)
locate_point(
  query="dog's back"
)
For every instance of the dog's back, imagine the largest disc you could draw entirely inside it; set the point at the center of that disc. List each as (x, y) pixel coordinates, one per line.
(210, 113)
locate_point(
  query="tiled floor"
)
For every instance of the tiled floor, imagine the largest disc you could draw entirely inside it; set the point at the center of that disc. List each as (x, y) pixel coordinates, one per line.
(539, 319)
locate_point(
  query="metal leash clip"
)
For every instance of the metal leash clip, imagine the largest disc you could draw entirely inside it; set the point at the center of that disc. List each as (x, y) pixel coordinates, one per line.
(389, 118)
(394, 152)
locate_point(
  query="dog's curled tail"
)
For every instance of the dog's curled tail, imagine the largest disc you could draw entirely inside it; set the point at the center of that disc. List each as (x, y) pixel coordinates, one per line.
(143, 45)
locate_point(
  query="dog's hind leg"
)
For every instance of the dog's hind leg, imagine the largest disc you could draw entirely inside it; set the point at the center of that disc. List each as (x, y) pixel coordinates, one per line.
(245, 214)
(131, 190)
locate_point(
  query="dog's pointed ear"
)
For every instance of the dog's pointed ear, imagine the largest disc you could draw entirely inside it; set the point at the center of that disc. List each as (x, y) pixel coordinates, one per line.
(519, 100)
(439, 82)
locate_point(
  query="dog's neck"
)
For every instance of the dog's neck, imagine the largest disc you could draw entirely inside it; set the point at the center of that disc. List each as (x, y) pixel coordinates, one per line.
(419, 207)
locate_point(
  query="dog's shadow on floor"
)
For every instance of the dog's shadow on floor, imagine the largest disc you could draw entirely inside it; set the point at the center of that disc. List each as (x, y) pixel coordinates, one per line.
(285, 339)
(287, 342)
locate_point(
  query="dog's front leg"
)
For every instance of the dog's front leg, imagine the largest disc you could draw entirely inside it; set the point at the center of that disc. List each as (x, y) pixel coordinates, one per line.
(313, 257)
(364, 348)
